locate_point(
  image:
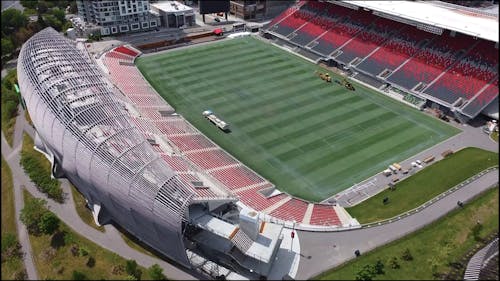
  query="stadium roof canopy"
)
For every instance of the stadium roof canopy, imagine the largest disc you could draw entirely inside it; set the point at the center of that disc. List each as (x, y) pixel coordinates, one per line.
(471, 21)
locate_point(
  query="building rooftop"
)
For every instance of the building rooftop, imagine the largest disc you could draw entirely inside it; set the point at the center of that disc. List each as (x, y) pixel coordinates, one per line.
(171, 6)
(481, 23)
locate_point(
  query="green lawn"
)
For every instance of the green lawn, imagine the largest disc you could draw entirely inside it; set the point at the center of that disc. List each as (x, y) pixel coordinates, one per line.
(11, 266)
(84, 213)
(60, 265)
(28, 118)
(38, 168)
(9, 103)
(310, 138)
(8, 213)
(425, 185)
(432, 247)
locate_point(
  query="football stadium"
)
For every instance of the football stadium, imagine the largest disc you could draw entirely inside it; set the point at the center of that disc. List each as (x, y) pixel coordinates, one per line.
(310, 138)
(215, 154)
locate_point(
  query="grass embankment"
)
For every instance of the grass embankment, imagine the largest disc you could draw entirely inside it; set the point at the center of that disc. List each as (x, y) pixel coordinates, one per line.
(494, 136)
(433, 248)
(9, 103)
(28, 118)
(425, 185)
(38, 168)
(310, 138)
(80, 206)
(54, 259)
(11, 265)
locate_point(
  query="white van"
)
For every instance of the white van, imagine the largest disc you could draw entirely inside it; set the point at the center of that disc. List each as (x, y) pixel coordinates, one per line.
(387, 172)
(393, 169)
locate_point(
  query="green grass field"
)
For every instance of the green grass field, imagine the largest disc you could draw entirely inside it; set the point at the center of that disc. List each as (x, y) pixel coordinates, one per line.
(433, 248)
(10, 266)
(60, 264)
(425, 185)
(310, 138)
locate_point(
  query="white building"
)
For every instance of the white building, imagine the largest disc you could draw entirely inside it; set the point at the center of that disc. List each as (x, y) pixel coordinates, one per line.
(173, 14)
(112, 17)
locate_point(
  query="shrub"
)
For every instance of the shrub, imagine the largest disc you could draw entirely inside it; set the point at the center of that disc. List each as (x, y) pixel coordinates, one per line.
(32, 213)
(48, 254)
(476, 230)
(57, 240)
(379, 267)
(10, 109)
(393, 263)
(48, 223)
(75, 250)
(366, 273)
(90, 262)
(77, 275)
(11, 248)
(68, 238)
(131, 267)
(407, 255)
(117, 269)
(33, 166)
(83, 252)
(60, 269)
(20, 275)
(8, 240)
(156, 272)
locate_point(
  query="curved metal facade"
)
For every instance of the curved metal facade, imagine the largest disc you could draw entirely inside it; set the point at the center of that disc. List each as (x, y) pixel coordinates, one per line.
(86, 128)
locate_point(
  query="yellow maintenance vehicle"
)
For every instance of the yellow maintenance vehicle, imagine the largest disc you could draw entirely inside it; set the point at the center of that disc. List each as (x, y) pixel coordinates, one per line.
(324, 76)
(347, 84)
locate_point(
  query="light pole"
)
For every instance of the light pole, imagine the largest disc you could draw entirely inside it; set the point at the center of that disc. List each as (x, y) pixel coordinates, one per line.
(292, 235)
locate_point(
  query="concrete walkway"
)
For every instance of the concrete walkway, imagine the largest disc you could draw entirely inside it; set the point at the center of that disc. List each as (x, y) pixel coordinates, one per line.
(319, 254)
(110, 240)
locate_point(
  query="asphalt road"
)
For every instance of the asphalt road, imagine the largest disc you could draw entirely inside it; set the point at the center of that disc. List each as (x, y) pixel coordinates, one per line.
(318, 253)
(11, 4)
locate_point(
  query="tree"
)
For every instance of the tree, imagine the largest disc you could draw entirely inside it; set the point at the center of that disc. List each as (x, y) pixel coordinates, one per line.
(73, 9)
(42, 7)
(41, 22)
(30, 4)
(156, 272)
(48, 223)
(59, 14)
(21, 36)
(77, 275)
(32, 213)
(12, 20)
(7, 46)
(53, 22)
